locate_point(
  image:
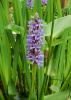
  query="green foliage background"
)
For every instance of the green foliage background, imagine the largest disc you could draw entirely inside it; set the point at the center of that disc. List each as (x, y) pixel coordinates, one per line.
(19, 80)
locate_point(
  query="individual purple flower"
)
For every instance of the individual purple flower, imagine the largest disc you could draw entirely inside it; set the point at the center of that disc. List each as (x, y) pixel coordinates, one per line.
(30, 4)
(35, 41)
(44, 2)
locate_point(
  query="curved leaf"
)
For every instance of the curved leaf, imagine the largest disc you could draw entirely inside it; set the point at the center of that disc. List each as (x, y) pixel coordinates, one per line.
(58, 96)
(60, 25)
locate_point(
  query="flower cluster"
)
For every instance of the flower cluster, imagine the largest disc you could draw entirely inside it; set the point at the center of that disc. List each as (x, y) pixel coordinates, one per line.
(30, 4)
(35, 41)
(44, 2)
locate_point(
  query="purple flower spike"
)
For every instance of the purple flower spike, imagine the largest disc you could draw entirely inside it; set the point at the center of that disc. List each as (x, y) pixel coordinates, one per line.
(44, 2)
(35, 41)
(30, 4)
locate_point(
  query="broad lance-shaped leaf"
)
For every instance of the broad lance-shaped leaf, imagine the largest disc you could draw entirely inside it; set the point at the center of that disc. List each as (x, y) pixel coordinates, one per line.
(60, 25)
(58, 96)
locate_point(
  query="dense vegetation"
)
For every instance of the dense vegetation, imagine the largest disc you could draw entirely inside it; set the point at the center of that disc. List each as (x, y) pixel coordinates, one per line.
(20, 78)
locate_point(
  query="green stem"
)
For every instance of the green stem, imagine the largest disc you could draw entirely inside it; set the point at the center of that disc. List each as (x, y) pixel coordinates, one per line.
(40, 79)
(32, 95)
(50, 52)
(46, 80)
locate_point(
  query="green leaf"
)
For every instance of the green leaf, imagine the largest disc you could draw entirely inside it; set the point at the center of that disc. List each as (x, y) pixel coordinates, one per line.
(16, 58)
(57, 96)
(38, 7)
(11, 88)
(60, 25)
(58, 6)
(17, 29)
(6, 62)
(1, 96)
(49, 11)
